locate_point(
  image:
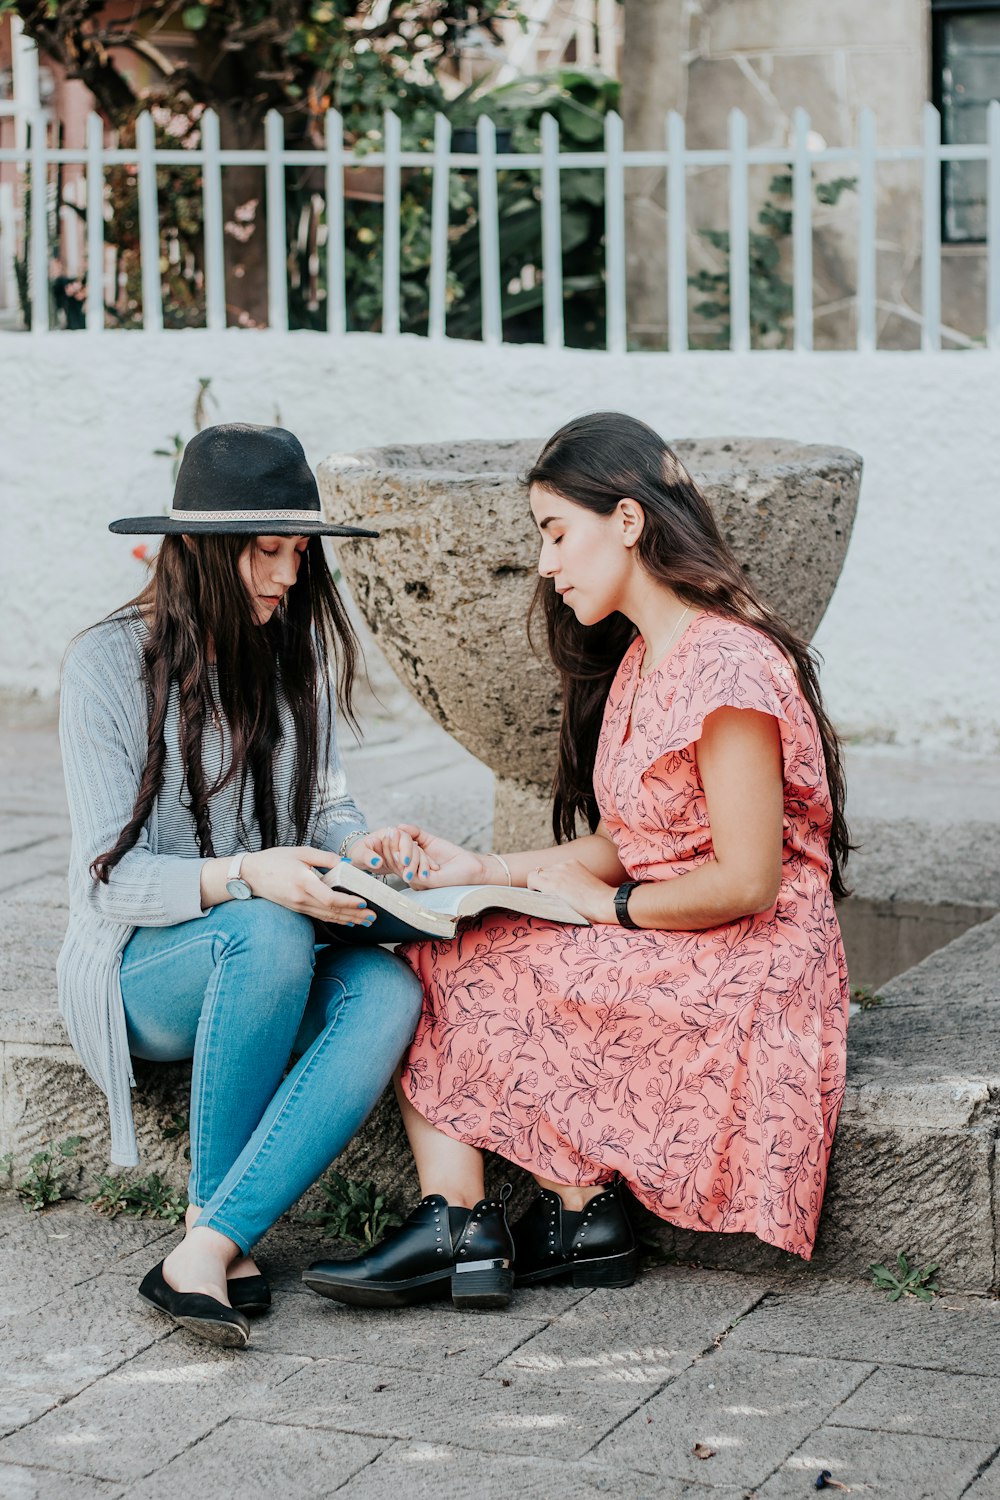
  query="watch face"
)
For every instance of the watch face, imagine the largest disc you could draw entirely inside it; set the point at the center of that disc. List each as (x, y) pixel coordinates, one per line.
(239, 890)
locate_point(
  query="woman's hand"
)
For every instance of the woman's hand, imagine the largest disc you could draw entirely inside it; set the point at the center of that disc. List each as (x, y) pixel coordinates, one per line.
(288, 878)
(584, 891)
(392, 851)
(434, 861)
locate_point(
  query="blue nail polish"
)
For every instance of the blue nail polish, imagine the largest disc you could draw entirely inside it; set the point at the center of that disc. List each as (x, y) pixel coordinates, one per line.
(376, 861)
(361, 905)
(409, 874)
(351, 924)
(406, 861)
(368, 921)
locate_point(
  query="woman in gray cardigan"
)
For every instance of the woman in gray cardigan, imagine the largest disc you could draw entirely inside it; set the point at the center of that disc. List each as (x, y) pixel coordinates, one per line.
(205, 790)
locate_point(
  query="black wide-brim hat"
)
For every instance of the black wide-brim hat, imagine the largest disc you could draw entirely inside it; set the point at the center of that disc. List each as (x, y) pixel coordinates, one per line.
(238, 478)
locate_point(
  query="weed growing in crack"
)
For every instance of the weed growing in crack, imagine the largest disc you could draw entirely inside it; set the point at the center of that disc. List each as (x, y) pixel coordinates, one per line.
(904, 1279)
(142, 1198)
(353, 1211)
(46, 1182)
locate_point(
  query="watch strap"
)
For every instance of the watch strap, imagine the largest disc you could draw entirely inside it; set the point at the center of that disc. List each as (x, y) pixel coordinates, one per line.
(236, 865)
(621, 903)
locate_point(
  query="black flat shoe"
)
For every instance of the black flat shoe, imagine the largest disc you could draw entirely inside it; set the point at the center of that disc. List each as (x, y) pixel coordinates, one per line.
(595, 1247)
(199, 1314)
(439, 1250)
(250, 1295)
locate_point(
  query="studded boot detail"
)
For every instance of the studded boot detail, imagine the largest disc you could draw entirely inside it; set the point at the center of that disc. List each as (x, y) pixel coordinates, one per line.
(595, 1247)
(439, 1251)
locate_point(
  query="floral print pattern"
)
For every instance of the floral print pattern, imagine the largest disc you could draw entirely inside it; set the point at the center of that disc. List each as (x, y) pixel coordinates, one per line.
(707, 1068)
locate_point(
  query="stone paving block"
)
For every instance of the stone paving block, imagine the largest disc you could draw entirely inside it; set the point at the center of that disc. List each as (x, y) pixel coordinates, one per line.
(20, 1483)
(20, 1405)
(637, 1336)
(927, 1403)
(850, 1322)
(435, 1338)
(135, 1420)
(751, 1409)
(43, 1254)
(890, 1465)
(987, 1486)
(261, 1461)
(480, 1414)
(66, 1344)
(428, 1471)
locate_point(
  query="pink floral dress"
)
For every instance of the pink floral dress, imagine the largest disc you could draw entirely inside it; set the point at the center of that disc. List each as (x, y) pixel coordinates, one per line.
(707, 1068)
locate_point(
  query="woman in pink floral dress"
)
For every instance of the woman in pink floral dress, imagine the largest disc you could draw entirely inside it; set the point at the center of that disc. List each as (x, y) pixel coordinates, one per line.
(689, 1044)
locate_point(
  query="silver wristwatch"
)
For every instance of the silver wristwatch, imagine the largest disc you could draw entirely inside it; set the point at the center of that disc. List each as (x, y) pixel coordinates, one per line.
(237, 888)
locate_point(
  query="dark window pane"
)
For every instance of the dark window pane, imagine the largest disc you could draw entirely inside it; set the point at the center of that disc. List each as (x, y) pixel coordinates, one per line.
(970, 78)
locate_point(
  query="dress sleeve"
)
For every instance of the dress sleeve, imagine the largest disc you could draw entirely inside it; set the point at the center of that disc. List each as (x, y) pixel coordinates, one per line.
(727, 674)
(730, 670)
(100, 762)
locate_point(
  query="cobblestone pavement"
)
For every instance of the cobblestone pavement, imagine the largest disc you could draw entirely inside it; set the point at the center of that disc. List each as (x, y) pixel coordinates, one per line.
(691, 1383)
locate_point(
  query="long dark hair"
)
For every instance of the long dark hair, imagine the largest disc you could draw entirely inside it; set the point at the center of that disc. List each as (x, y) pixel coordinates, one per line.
(595, 462)
(196, 596)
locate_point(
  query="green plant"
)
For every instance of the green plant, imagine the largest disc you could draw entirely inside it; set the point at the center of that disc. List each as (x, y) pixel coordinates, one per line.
(353, 1210)
(45, 1182)
(141, 1198)
(177, 440)
(865, 996)
(906, 1279)
(771, 295)
(177, 1126)
(7, 1165)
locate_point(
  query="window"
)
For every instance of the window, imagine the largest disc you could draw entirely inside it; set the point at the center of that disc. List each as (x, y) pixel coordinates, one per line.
(967, 77)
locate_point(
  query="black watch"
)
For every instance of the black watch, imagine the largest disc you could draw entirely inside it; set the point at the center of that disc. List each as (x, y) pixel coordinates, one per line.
(621, 904)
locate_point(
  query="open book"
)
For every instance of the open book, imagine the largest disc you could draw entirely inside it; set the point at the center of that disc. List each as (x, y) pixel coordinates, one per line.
(439, 912)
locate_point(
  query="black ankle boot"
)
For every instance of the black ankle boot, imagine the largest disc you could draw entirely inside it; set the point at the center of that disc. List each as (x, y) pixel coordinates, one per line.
(595, 1247)
(467, 1252)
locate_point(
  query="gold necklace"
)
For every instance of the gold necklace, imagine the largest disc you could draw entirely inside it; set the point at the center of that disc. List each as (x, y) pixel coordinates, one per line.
(638, 674)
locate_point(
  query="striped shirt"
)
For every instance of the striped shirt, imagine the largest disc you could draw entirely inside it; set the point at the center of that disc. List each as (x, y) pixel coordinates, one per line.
(103, 719)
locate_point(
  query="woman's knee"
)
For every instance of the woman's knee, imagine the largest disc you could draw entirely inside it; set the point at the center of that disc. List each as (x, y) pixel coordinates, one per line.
(386, 983)
(278, 942)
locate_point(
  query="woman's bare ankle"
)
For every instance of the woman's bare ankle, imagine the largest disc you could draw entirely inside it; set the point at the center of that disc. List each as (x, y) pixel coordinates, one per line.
(244, 1265)
(574, 1199)
(200, 1263)
(458, 1194)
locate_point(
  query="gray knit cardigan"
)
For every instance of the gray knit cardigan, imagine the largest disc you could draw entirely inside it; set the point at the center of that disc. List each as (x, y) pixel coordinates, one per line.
(103, 720)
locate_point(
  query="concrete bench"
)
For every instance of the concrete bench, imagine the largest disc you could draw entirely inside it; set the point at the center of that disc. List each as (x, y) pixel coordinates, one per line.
(915, 1162)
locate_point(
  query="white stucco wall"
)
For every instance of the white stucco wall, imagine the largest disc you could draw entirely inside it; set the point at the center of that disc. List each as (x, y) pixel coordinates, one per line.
(911, 640)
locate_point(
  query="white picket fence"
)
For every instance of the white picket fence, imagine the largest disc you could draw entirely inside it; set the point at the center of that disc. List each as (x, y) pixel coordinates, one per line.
(861, 160)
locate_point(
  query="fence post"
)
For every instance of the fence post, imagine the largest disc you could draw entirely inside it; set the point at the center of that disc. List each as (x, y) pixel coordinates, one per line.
(866, 233)
(802, 232)
(739, 235)
(552, 287)
(440, 203)
(277, 247)
(931, 267)
(614, 231)
(215, 255)
(336, 270)
(149, 225)
(489, 231)
(39, 228)
(95, 223)
(677, 284)
(993, 226)
(392, 187)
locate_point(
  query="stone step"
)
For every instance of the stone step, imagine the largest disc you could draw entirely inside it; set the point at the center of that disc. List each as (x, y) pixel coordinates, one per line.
(914, 1166)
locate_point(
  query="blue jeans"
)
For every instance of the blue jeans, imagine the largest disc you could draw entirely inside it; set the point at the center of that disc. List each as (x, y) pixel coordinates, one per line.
(241, 990)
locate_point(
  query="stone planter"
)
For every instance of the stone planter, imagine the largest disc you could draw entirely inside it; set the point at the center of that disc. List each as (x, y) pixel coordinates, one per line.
(446, 588)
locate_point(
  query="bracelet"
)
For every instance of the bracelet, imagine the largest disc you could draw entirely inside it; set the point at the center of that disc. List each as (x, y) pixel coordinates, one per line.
(352, 838)
(621, 904)
(505, 867)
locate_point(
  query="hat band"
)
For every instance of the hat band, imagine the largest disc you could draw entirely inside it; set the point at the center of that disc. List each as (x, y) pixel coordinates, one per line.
(312, 516)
